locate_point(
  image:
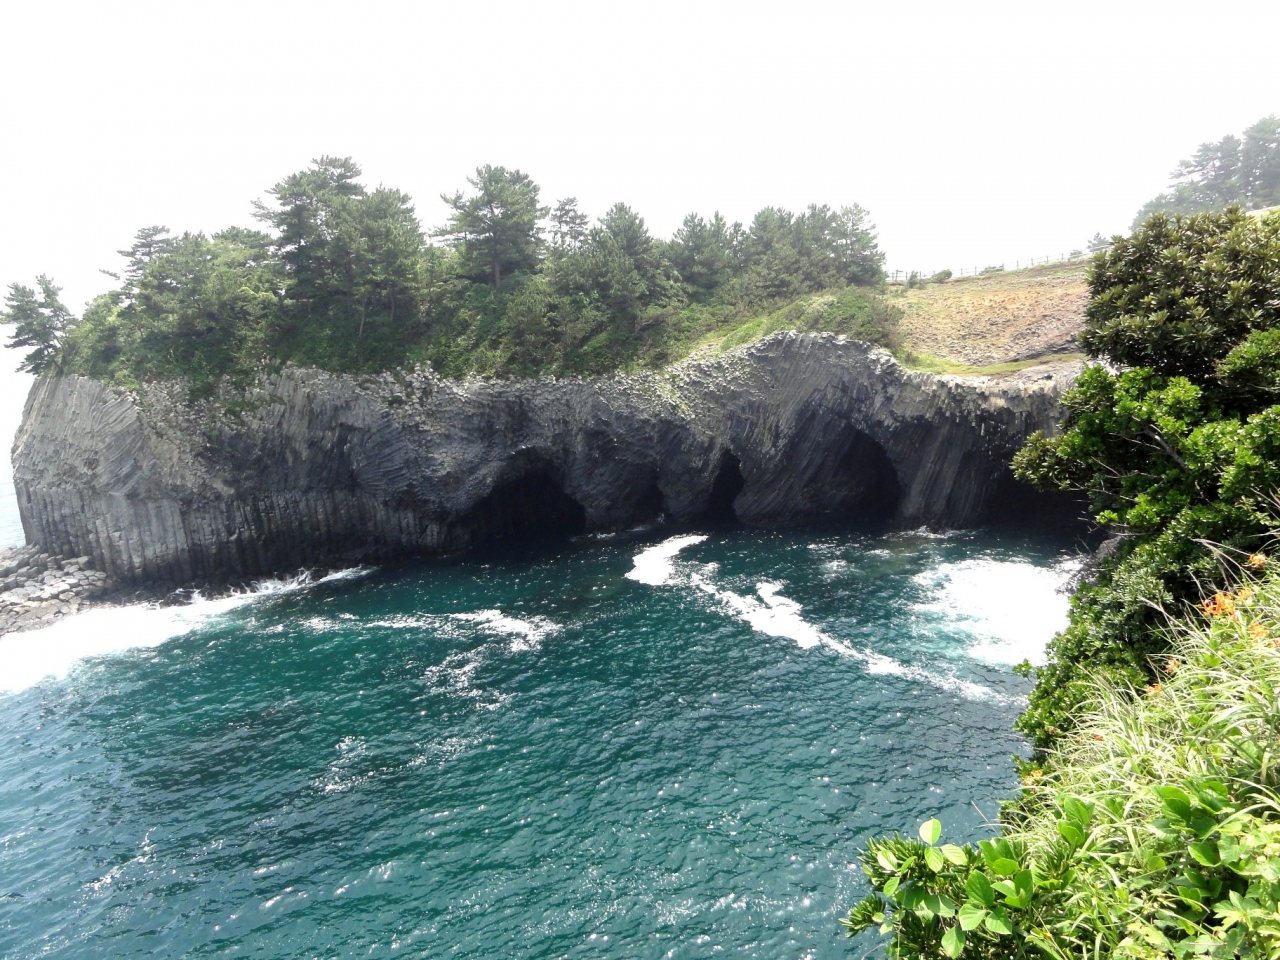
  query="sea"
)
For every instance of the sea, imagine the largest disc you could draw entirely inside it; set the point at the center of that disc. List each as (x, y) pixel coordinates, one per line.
(670, 742)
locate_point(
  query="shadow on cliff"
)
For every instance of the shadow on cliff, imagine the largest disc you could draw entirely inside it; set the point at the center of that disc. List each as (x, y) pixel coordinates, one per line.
(527, 502)
(725, 488)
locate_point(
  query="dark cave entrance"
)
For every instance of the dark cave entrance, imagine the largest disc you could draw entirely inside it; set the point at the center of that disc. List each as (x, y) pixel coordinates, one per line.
(724, 490)
(859, 481)
(648, 506)
(527, 501)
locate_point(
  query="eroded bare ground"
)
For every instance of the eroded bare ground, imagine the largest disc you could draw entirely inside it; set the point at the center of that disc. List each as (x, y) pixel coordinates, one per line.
(998, 318)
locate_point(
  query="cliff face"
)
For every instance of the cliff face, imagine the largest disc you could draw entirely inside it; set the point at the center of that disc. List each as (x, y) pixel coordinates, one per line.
(310, 468)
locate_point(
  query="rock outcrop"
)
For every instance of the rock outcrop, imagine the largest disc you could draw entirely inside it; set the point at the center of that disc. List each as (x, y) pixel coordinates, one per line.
(36, 589)
(310, 468)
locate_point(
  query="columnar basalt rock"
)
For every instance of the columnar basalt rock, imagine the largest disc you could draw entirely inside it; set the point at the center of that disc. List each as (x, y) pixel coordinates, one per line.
(309, 468)
(36, 589)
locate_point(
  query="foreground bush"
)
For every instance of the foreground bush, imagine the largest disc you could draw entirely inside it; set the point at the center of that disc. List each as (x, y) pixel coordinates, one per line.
(1152, 830)
(1174, 438)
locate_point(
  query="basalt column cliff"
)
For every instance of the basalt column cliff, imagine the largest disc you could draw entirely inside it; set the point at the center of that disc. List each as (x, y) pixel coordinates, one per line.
(310, 468)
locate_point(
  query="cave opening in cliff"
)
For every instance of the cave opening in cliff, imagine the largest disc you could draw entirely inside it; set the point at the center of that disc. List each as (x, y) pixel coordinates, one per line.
(1015, 503)
(527, 501)
(725, 488)
(857, 481)
(648, 506)
(871, 489)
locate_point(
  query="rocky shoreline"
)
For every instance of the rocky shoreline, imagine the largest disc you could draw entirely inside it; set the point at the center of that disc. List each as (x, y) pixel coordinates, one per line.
(37, 589)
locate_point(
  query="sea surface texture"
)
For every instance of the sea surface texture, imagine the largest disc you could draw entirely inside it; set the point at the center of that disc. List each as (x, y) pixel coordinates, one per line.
(665, 744)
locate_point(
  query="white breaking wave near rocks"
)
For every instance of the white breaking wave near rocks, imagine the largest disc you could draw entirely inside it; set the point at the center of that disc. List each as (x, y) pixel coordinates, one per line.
(656, 566)
(1011, 608)
(777, 616)
(52, 652)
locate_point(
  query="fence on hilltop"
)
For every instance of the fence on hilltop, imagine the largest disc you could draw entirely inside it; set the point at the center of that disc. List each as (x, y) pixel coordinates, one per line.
(902, 276)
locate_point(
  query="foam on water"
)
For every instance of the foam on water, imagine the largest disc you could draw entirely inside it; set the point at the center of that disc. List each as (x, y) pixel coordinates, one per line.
(51, 652)
(525, 634)
(775, 615)
(1012, 608)
(656, 566)
(28, 657)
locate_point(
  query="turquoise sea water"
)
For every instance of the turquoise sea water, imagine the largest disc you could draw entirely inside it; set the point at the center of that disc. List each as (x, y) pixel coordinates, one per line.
(653, 745)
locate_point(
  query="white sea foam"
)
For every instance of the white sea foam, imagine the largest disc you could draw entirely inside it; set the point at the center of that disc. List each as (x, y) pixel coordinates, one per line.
(656, 566)
(777, 616)
(1012, 608)
(525, 634)
(52, 652)
(27, 658)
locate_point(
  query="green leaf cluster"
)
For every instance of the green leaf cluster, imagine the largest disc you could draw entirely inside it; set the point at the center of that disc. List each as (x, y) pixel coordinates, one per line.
(1174, 437)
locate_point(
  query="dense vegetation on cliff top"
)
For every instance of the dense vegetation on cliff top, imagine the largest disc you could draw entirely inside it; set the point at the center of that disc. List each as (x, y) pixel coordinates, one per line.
(1174, 437)
(345, 278)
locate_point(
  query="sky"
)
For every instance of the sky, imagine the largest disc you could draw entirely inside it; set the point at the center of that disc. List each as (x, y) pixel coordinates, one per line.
(975, 133)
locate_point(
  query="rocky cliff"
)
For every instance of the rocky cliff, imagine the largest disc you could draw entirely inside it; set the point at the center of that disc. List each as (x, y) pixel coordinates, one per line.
(309, 468)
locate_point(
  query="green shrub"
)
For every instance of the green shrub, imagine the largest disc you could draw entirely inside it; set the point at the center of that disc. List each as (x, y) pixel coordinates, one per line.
(1153, 830)
(1176, 440)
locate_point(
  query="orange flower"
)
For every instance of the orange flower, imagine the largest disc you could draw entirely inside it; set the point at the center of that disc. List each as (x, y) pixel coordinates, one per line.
(1153, 689)
(1257, 560)
(1257, 631)
(1098, 736)
(1172, 666)
(1219, 603)
(1244, 593)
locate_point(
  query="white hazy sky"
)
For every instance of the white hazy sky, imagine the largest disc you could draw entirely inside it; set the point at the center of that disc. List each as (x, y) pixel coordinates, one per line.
(974, 132)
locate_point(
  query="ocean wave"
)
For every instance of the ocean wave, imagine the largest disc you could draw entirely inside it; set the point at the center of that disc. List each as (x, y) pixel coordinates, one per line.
(525, 634)
(656, 566)
(777, 616)
(52, 652)
(1011, 608)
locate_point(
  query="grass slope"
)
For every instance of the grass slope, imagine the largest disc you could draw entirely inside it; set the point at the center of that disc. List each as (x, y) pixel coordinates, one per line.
(977, 322)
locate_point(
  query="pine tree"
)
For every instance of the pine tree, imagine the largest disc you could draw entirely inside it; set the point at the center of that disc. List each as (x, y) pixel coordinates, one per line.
(41, 323)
